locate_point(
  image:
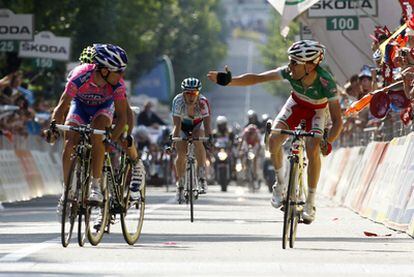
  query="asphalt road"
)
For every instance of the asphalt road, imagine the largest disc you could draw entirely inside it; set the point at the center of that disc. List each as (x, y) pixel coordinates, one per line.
(234, 234)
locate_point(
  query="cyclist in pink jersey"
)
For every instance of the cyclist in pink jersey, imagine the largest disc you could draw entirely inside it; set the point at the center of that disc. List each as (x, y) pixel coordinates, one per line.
(93, 93)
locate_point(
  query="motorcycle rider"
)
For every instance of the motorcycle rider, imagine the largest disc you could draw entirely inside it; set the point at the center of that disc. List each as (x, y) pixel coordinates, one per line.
(223, 131)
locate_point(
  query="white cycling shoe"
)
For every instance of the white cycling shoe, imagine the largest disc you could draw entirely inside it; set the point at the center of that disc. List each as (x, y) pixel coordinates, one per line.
(308, 214)
(203, 186)
(179, 195)
(137, 178)
(95, 196)
(277, 196)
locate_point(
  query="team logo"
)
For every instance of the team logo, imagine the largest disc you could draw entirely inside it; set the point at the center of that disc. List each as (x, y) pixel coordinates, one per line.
(323, 81)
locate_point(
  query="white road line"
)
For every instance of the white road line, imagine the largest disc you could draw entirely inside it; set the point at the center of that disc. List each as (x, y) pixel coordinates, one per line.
(24, 252)
(33, 248)
(159, 206)
(215, 268)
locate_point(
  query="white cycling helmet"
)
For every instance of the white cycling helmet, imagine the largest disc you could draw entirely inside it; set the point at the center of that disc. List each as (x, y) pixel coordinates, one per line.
(221, 119)
(191, 83)
(110, 56)
(306, 51)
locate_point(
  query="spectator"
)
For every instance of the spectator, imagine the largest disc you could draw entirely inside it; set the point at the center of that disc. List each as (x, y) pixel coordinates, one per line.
(148, 118)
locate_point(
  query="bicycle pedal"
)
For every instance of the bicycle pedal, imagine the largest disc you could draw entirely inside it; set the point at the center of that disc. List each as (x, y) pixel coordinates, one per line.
(307, 222)
(95, 203)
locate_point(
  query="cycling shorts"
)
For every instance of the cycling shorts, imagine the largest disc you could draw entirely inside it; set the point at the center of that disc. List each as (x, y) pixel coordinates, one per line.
(79, 113)
(293, 113)
(186, 129)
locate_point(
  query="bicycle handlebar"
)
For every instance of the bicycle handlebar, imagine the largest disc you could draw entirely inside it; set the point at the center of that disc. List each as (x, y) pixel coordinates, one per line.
(175, 139)
(296, 133)
(80, 129)
(88, 130)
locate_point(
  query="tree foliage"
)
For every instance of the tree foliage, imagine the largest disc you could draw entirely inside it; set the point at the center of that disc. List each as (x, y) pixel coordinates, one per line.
(274, 52)
(190, 32)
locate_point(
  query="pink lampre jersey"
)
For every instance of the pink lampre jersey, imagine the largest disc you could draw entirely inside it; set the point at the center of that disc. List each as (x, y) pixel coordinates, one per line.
(81, 86)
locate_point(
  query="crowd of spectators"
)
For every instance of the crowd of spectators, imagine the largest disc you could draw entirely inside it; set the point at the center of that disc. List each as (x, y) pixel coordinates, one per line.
(21, 112)
(377, 101)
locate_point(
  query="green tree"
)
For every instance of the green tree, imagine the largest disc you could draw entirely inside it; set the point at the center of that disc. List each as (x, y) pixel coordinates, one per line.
(190, 32)
(274, 52)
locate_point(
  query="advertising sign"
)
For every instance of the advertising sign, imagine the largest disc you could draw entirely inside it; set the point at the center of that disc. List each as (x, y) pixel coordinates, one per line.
(15, 26)
(328, 8)
(46, 45)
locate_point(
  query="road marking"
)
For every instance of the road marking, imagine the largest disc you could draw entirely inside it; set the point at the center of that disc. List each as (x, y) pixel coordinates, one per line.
(159, 206)
(213, 268)
(33, 248)
(24, 252)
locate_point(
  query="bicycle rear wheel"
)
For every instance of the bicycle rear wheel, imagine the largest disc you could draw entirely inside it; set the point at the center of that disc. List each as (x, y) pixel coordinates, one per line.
(132, 218)
(96, 217)
(289, 203)
(69, 206)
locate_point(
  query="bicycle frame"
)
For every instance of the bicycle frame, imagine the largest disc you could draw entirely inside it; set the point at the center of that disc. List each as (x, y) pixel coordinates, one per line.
(78, 205)
(296, 191)
(191, 183)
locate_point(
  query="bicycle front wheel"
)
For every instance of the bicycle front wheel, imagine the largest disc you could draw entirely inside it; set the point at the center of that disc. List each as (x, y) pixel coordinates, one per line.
(132, 218)
(191, 191)
(82, 229)
(289, 203)
(69, 205)
(96, 217)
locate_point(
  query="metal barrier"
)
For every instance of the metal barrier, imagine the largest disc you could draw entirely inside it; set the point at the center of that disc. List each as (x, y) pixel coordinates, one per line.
(383, 130)
(29, 143)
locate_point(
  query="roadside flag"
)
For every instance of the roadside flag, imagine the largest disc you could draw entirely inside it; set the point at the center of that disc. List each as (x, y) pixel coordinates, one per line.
(290, 9)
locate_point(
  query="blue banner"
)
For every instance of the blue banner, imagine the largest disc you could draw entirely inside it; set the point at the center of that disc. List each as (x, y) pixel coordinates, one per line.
(158, 83)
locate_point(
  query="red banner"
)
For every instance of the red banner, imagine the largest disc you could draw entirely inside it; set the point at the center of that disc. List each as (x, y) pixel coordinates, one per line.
(407, 8)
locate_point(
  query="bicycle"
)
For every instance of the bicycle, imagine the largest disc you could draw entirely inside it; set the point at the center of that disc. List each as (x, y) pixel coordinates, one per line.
(115, 188)
(75, 205)
(191, 190)
(296, 190)
(117, 182)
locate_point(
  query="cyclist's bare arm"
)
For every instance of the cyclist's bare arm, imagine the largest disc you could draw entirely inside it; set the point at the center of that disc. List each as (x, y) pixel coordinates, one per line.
(121, 107)
(207, 125)
(130, 119)
(336, 117)
(59, 113)
(177, 126)
(253, 78)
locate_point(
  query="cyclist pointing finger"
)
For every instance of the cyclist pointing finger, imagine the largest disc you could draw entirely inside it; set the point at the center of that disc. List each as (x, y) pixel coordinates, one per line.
(313, 90)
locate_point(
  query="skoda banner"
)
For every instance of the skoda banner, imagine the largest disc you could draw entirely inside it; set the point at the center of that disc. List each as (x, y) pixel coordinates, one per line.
(46, 45)
(157, 83)
(15, 26)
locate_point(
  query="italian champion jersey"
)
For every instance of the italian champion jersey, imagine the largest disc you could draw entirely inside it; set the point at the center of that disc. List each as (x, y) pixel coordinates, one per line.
(320, 92)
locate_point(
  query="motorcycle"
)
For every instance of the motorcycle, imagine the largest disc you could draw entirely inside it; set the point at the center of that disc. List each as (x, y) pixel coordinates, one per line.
(268, 171)
(222, 162)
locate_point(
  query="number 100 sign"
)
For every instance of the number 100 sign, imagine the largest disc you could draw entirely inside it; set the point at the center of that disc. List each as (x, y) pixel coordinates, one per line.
(342, 23)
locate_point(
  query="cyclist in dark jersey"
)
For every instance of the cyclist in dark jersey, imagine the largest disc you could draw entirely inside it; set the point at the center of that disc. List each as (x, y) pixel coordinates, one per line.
(313, 90)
